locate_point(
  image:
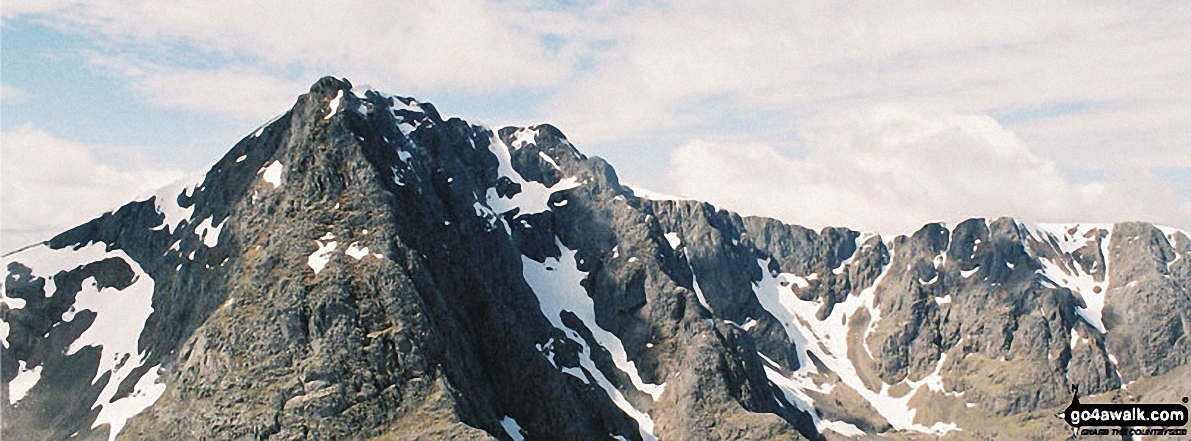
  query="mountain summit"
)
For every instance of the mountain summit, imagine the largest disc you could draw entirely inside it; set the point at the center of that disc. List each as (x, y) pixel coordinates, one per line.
(361, 268)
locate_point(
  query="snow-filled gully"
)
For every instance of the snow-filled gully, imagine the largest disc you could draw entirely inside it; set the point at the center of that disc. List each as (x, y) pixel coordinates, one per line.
(556, 283)
(828, 340)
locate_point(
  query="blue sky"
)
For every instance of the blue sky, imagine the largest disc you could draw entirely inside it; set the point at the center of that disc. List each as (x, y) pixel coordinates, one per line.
(817, 113)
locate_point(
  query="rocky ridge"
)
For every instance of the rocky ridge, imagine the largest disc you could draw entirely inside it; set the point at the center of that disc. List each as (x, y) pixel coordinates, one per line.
(361, 268)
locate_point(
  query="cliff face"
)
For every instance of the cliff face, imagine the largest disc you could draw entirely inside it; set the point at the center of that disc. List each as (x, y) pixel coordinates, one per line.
(361, 268)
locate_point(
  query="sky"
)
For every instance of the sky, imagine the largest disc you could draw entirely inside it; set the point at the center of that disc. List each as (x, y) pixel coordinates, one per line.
(880, 117)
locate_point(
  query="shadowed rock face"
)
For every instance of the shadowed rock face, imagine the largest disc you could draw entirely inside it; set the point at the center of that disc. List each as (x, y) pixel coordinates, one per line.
(361, 268)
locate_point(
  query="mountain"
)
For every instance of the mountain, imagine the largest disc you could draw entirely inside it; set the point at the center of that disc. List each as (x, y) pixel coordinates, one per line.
(361, 268)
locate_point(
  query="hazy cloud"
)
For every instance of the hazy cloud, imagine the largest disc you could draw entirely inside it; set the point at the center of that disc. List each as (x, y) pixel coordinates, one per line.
(232, 93)
(17, 8)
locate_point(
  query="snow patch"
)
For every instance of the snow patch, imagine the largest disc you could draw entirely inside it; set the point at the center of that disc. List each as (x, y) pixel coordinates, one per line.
(334, 104)
(674, 240)
(576, 372)
(400, 104)
(209, 234)
(694, 278)
(512, 428)
(493, 219)
(25, 379)
(651, 195)
(549, 160)
(547, 350)
(146, 391)
(533, 197)
(13, 302)
(801, 282)
(397, 176)
(165, 202)
(319, 258)
(355, 251)
(272, 173)
(524, 137)
(120, 318)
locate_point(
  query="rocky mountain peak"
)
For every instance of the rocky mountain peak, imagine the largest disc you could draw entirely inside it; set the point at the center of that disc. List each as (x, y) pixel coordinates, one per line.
(360, 267)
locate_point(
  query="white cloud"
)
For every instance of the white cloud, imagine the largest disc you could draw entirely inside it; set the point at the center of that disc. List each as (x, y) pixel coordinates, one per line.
(800, 60)
(893, 170)
(471, 44)
(16, 8)
(13, 95)
(50, 184)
